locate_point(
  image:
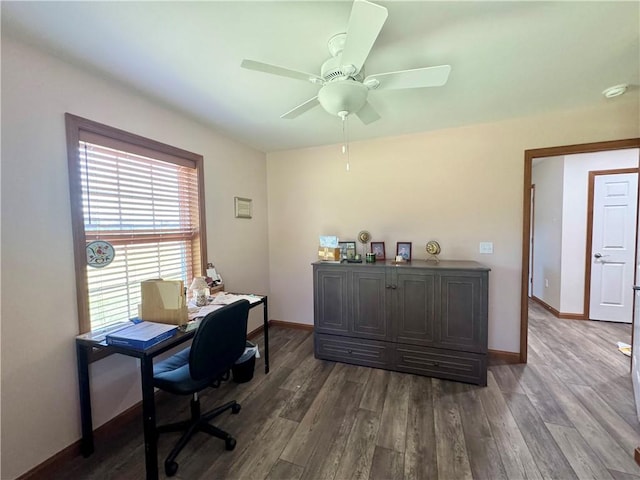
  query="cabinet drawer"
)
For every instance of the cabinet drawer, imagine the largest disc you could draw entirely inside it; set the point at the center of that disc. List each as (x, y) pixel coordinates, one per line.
(369, 353)
(448, 364)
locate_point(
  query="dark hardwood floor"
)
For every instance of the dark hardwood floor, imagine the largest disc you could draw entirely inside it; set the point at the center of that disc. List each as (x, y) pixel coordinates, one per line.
(569, 413)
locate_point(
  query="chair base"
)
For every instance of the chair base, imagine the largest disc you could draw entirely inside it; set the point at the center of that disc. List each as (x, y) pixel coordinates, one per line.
(197, 423)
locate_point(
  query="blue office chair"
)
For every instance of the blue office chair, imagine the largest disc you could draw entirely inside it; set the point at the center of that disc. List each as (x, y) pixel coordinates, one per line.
(218, 343)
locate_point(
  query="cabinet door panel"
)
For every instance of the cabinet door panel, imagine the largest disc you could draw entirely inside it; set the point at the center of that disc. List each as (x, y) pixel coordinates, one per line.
(416, 308)
(463, 315)
(330, 302)
(369, 307)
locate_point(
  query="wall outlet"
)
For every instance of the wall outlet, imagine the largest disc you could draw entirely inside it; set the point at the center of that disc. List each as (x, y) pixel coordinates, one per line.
(486, 247)
(546, 283)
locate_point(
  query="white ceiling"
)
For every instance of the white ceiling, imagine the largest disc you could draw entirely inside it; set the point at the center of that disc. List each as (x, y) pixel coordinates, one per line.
(508, 59)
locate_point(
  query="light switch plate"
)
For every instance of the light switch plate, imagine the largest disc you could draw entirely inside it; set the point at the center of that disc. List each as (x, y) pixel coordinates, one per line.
(486, 247)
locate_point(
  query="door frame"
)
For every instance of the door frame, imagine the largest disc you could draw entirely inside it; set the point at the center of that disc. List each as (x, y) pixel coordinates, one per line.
(532, 193)
(529, 155)
(590, 199)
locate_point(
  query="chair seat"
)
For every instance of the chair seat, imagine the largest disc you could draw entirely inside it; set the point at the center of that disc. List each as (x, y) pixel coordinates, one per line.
(172, 375)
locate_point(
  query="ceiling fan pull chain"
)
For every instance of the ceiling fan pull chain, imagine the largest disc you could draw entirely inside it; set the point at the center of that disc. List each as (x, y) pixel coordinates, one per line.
(345, 137)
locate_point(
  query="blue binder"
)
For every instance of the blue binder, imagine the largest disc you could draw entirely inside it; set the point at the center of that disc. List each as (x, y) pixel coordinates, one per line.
(142, 335)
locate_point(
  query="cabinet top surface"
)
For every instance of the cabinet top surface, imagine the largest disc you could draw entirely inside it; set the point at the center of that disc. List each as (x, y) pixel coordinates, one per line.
(430, 264)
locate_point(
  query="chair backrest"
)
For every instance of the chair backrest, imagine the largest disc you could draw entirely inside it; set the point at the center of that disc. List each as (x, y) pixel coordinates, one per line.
(219, 341)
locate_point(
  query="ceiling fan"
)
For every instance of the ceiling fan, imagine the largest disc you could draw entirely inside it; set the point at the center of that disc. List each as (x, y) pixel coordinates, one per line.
(344, 88)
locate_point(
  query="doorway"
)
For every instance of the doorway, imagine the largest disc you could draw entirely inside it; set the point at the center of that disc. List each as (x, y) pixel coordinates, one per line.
(530, 155)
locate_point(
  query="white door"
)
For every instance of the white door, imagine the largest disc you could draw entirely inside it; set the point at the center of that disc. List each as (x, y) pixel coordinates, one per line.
(613, 247)
(635, 351)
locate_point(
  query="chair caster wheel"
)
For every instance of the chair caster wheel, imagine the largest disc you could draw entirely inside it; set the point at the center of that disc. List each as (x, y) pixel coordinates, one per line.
(230, 443)
(170, 468)
(236, 408)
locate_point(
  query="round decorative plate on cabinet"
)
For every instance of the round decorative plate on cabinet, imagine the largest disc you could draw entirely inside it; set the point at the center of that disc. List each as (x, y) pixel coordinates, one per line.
(433, 247)
(364, 236)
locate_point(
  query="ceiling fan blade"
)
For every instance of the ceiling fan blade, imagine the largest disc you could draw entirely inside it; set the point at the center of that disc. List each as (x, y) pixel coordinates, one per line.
(300, 109)
(365, 23)
(367, 114)
(281, 71)
(417, 78)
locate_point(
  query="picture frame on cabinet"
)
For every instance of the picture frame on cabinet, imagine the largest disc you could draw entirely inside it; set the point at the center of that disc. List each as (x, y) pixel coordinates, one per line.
(378, 249)
(403, 249)
(347, 250)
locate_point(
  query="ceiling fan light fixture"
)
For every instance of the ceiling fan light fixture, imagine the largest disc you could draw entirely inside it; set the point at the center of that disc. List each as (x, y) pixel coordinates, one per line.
(615, 91)
(345, 96)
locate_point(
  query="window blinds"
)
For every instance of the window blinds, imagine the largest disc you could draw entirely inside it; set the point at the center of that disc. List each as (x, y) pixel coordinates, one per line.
(149, 210)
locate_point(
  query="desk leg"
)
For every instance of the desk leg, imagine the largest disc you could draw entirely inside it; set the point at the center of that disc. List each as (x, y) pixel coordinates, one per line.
(266, 335)
(149, 419)
(82, 358)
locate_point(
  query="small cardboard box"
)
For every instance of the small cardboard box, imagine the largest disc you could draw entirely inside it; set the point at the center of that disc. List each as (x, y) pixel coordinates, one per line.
(329, 254)
(163, 301)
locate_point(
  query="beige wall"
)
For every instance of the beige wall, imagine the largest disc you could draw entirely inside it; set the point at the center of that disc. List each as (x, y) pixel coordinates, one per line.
(547, 175)
(460, 186)
(40, 414)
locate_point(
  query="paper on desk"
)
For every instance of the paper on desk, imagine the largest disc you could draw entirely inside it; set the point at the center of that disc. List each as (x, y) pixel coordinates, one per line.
(219, 301)
(227, 298)
(208, 309)
(100, 334)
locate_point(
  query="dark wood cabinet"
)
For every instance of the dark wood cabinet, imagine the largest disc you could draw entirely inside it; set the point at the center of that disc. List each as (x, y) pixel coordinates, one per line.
(423, 318)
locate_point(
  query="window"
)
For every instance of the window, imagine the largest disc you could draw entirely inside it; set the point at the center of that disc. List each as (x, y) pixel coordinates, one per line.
(143, 197)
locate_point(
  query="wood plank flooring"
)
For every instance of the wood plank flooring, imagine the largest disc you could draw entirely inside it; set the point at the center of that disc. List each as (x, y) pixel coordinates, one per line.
(569, 413)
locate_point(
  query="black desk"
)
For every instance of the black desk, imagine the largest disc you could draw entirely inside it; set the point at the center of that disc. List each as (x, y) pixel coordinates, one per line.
(88, 351)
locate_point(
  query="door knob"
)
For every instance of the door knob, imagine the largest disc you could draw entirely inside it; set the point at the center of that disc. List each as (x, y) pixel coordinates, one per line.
(598, 255)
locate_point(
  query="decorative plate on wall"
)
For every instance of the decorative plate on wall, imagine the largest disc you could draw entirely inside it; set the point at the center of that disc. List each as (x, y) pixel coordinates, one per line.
(100, 253)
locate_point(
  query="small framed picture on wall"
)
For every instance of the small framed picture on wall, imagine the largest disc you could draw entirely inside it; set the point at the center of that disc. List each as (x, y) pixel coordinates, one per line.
(403, 249)
(378, 249)
(242, 207)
